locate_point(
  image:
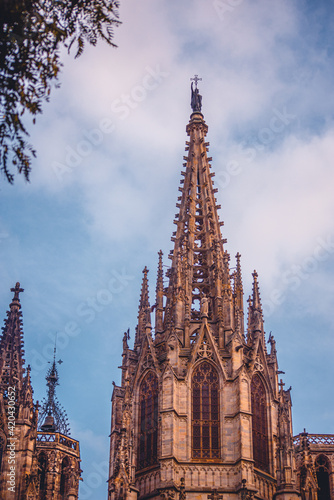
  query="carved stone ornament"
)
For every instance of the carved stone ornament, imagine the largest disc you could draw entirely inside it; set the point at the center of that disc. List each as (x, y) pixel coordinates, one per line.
(167, 494)
(147, 361)
(204, 350)
(258, 366)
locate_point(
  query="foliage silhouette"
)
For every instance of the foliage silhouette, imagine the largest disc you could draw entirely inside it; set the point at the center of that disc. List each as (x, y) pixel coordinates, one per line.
(32, 32)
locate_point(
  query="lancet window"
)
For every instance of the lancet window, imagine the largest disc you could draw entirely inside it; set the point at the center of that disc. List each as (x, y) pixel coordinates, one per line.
(323, 469)
(42, 468)
(259, 424)
(205, 412)
(64, 478)
(148, 421)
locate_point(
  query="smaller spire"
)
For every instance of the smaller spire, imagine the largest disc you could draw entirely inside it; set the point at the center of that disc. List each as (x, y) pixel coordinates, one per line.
(256, 293)
(238, 276)
(11, 345)
(255, 318)
(159, 297)
(52, 417)
(144, 300)
(238, 293)
(144, 312)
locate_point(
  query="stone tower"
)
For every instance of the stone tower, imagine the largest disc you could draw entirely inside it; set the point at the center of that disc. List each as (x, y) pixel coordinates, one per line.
(200, 412)
(34, 465)
(18, 413)
(58, 455)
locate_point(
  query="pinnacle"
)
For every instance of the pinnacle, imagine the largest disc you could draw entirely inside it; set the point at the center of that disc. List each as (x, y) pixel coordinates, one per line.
(52, 417)
(144, 312)
(255, 314)
(144, 300)
(159, 297)
(11, 344)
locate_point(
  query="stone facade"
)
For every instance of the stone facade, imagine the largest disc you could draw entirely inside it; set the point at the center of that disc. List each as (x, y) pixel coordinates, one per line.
(201, 412)
(315, 465)
(37, 460)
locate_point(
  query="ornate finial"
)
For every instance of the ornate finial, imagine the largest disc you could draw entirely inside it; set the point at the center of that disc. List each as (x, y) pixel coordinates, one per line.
(256, 293)
(281, 385)
(144, 302)
(17, 290)
(52, 417)
(144, 310)
(196, 98)
(238, 277)
(196, 79)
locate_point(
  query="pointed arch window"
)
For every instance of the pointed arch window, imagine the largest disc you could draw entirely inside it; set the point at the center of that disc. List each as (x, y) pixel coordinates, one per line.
(322, 468)
(259, 424)
(64, 478)
(205, 412)
(148, 421)
(42, 468)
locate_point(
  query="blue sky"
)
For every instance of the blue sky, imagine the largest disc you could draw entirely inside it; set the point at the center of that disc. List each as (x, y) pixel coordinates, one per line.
(102, 196)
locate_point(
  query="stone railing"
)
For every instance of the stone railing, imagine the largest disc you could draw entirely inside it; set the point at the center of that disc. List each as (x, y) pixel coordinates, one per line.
(324, 439)
(55, 437)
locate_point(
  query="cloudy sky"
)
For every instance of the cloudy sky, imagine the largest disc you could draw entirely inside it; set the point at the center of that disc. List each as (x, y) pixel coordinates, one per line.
(102, 195)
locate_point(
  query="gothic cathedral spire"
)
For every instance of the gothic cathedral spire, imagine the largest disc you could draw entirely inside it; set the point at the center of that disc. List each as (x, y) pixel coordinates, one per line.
(11, 345)
(18, 414)
(199, 412)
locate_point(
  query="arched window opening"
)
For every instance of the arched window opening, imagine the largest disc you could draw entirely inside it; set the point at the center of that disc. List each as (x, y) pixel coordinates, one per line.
(323, 469)
(148, 421)
(259, 424)
(64, 478)
(42, 468)
(205, 412)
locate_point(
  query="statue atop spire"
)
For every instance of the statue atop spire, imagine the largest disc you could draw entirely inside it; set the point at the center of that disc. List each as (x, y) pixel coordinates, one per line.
(196, 98)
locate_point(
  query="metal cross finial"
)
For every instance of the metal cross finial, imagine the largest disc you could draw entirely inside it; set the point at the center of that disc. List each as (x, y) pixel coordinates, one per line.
(281, 384)
(16, 291)
(196, 80)
(60, 361)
